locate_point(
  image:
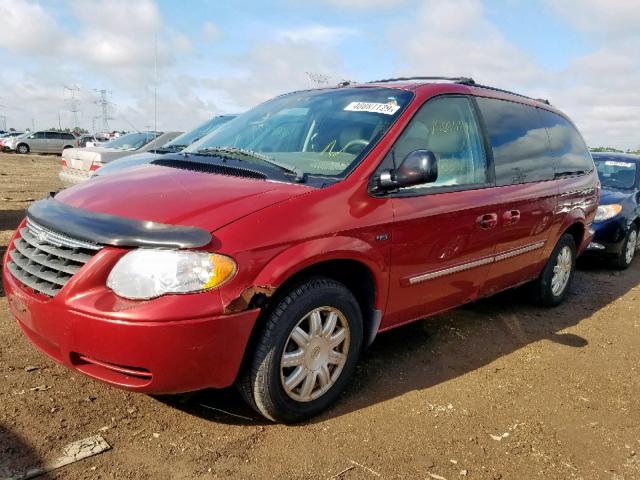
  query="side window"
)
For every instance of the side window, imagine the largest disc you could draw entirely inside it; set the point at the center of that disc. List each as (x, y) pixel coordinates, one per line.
(447, 126)
(570, 152)
(519, 142)
(53, 135)
(68, 136)
(40, 135)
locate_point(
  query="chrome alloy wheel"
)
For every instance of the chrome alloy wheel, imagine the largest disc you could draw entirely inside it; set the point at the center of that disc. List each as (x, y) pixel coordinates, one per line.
(632, 243)
(315, 354)
(561, 271)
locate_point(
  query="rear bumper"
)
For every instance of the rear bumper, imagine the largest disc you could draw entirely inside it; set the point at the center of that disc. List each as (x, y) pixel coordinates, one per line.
(145, 356)
(72, 176)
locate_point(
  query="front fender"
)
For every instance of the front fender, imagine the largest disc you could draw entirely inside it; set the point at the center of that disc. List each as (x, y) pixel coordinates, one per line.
(295, 258)
(312, 252)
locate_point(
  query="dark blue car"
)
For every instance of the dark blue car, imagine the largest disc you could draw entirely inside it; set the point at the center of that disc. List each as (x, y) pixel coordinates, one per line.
(618, 218)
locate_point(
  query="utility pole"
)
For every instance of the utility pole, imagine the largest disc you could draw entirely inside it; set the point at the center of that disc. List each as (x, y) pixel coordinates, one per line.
(73, 102)
(104, 103)
(155, 86)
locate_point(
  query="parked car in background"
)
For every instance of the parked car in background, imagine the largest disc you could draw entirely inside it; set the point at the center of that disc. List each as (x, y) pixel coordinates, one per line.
(617, 222)
(176, 145)
(78, 164)
(46, 141)
(272, 251)
(5, 139)
(91, 141)
(10, 143)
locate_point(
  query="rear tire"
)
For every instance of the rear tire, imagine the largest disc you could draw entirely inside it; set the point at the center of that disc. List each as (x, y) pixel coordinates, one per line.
(627, 254)
(306, 352)
(552, 286)
(23, 148)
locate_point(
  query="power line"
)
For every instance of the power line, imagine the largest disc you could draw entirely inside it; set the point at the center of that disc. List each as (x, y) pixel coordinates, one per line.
(73, 102)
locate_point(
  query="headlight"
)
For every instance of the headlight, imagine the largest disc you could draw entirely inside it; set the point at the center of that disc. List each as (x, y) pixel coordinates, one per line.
(605, 212)
(146, 273)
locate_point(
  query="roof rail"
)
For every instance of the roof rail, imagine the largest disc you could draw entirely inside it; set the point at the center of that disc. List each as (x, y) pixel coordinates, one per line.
(495, 89)
(465, 80)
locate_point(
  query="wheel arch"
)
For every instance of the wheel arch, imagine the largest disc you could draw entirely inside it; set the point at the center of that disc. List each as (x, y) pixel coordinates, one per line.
(353, 262)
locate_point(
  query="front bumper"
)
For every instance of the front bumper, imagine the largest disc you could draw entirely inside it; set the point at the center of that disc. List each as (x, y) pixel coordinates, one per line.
(158, 346)
(608, 238)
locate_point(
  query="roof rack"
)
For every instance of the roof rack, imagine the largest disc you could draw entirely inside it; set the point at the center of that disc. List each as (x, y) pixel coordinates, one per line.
(465, 80)
(495, 89)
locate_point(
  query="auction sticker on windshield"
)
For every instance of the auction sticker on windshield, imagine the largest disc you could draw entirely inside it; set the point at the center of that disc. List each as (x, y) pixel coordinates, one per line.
(610, 163)
(386, 108)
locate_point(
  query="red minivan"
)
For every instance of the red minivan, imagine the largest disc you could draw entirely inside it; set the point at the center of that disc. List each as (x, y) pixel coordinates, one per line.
(272, 251)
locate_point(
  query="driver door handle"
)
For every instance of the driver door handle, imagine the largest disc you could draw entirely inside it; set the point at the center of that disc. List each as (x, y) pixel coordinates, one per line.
(510, 217)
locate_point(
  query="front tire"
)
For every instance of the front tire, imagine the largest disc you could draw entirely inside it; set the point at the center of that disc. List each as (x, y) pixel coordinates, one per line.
(22, 148)
(552, 286)
(306, 353)
(626, 255)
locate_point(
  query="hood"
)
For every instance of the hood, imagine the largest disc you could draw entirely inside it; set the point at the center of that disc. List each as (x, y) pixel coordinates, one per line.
(178, 197)
(609, 196)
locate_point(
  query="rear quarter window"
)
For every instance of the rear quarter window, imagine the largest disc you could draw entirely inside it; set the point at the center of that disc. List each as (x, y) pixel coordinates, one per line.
(570, 152)
(519, 141)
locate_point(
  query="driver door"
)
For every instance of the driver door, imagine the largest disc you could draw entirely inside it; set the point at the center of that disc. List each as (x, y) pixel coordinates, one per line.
(443, 233)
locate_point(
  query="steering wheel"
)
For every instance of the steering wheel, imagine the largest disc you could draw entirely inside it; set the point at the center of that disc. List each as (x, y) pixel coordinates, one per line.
(357, 141)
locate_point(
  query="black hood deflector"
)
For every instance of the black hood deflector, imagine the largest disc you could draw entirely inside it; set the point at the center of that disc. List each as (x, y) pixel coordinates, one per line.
(104, 229)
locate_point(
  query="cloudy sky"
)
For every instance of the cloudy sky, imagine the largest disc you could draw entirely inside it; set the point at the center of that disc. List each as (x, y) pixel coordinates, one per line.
(222, 57)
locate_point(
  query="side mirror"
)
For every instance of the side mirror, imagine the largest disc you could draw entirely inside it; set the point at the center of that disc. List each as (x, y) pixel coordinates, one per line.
(418, 167)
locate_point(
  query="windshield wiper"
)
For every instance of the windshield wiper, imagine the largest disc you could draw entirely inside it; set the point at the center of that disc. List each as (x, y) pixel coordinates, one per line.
(234, 153)
(570, 173)
(170, 148)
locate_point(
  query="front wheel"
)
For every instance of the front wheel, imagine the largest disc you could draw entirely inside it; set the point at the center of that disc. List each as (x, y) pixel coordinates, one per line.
(552, 286)
(22, 148)
(625, 257)
(306, 353)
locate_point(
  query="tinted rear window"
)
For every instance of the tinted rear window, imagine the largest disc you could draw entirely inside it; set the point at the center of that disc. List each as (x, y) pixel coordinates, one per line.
(569, 150)
(519, 141)
(68, 136)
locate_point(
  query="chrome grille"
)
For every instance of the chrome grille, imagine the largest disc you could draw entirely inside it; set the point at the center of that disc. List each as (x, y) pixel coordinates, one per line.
(45, 260)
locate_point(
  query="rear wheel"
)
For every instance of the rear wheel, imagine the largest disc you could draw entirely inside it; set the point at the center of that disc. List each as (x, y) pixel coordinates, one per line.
(628, 252)
(552, 286)
(22, 148)
(306, 353)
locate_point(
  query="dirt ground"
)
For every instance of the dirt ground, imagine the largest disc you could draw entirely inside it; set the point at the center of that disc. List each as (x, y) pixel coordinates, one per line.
(494, 390)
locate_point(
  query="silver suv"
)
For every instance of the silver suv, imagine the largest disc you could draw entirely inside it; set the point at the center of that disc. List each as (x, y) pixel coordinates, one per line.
(46, 142)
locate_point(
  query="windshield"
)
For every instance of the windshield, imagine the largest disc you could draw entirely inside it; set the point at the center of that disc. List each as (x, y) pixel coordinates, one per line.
(197, 133)
(616, 173)
(318, 132)
(131, 141)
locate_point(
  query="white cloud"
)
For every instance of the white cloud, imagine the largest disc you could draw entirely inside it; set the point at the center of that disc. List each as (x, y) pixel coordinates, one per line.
(122, 38)
(25, 27)
(455, 39)
(211, 32)
(317, 34)
(355, 4)
(615, 17)
(273, 68)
